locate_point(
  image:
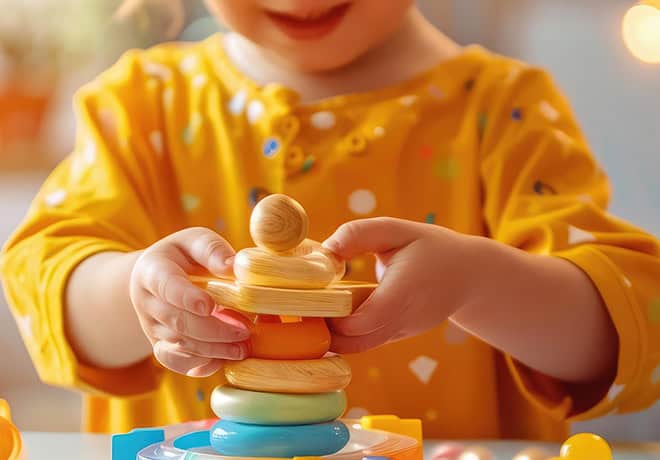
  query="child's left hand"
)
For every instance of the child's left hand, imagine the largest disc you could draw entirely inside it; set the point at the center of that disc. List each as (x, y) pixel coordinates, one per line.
(424, 274)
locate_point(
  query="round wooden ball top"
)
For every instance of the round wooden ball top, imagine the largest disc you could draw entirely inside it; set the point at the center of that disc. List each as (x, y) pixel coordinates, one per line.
(278, 223)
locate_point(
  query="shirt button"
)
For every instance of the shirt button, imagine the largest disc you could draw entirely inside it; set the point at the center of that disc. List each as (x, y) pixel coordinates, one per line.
(355, 144)
(297, 162)
(294, 160)
(289, 127)
(281, 94)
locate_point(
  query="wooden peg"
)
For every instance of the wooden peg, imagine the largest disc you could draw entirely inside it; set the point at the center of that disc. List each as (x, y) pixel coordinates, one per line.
(278, 223)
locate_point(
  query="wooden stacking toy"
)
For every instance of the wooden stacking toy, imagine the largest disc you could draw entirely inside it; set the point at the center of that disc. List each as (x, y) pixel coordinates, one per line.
(286, 398)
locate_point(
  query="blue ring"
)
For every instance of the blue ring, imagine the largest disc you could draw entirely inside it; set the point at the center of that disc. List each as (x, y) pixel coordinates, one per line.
(241, 440)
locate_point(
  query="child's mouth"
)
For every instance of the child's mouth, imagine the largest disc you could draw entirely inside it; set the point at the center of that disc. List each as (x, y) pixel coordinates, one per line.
(312, 25)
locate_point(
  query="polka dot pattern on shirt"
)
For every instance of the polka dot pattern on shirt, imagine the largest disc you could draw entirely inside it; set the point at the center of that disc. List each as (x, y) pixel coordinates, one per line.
(426, 152)
(168, 97)
(548, 111)
(482, 123)
(256, 194)
(654, 310)
(156, 141)
(423, 368)
(578, 236)
(237, 103)
(408, 101)
(199, 80)
(379, 131)
(189, 64)
(255, 111)
(362, 202)
(25, 326)
(89, 152)
(323, 120)
(190, 202)
(190, 131)
(447, 168)
(55, 198)
(436, 92)
(541, 188)
(271, 147)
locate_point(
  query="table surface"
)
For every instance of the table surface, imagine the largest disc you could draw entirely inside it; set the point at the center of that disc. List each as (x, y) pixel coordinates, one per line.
(77, 446)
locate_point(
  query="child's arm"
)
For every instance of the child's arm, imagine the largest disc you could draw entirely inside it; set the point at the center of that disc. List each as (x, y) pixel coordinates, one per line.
(543, 311)
(144, 303)
(104, 301)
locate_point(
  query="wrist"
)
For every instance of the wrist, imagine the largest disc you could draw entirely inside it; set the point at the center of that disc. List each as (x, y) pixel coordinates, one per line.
(480, 270)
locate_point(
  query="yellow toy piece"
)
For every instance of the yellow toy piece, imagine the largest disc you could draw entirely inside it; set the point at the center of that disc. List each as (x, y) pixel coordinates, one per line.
(393, 424)
(585, 446)
(11, 445)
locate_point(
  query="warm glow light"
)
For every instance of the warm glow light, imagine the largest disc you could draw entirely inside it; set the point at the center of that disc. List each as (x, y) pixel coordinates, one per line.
(641, 31)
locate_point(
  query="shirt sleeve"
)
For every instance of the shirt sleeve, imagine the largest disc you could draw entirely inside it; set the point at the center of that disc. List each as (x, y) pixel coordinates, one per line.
(545, 193)
(110, 194)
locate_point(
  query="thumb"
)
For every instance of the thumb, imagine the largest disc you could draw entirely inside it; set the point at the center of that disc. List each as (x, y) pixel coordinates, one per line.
(205, 248)
(375, 236)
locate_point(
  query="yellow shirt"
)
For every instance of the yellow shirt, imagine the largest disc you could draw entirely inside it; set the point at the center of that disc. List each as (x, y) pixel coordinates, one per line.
(175, 136)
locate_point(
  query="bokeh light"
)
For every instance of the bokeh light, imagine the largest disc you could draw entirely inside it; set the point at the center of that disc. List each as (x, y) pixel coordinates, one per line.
(641, 31)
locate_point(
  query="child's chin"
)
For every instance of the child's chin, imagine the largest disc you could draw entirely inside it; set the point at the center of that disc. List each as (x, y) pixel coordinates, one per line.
(319, 61)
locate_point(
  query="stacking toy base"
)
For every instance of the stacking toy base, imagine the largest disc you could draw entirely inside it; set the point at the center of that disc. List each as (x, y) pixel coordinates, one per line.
(192, 441)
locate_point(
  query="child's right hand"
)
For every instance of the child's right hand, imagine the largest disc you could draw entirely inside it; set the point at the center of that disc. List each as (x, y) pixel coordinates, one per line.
(178, 318)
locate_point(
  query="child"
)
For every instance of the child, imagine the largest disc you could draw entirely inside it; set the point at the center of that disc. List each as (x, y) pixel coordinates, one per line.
(357, 109)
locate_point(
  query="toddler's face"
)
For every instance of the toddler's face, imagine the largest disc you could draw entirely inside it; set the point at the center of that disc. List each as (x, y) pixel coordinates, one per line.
(313, 35)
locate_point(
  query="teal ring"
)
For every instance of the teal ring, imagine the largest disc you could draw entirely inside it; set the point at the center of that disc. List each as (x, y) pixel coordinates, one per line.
(239, 440)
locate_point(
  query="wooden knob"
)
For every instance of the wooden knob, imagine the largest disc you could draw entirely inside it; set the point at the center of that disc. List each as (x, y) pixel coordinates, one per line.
(278, 223)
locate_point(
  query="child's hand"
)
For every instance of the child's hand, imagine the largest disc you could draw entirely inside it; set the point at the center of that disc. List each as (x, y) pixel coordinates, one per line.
(423, 273)
(176, 315)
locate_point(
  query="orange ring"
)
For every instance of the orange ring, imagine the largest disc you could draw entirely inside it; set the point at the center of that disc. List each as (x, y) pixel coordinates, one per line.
(279, 338)
(284, 337)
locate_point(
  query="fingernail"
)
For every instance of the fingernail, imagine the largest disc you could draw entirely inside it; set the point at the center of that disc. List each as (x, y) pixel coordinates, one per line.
(226, 317)
(194, 372)
(330, 245)
(203, 308)
(217, 261)
(236, 351)
(181, 354)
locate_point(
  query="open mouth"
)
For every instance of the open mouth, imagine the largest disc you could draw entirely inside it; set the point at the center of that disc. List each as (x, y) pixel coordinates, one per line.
(311, 25)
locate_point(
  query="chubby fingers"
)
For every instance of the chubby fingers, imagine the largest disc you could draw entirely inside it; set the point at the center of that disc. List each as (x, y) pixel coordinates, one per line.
(175, 358)
(372, 236)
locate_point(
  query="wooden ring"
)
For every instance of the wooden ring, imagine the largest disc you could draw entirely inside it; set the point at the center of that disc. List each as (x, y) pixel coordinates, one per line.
(307, 267)
(306, 338)
(260, 408)
(291, 376)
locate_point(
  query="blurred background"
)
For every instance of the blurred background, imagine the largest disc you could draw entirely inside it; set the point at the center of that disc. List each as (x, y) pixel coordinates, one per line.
(48, 48)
